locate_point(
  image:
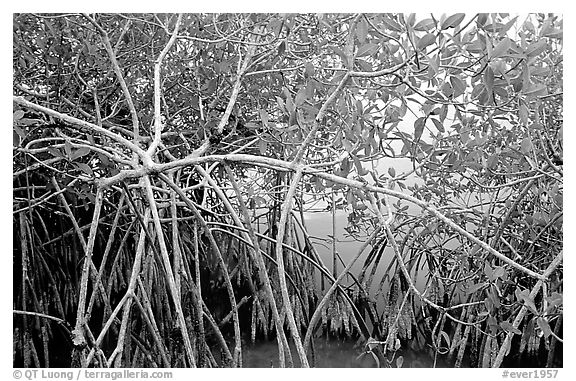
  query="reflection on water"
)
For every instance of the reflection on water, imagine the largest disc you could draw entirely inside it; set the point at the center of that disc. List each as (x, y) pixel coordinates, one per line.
(332, 354)
(329, 354)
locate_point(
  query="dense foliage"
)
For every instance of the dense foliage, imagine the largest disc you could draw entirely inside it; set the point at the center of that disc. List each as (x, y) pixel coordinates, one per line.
(163, 166)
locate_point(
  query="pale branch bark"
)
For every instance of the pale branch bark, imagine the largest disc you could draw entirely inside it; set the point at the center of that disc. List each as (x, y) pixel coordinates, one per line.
(115, 359)
(25, 279)
(100, 273)
(237, 334)
(430, 208)
(106, 327)
(88, 248)
(507, 341)
(118, 71)
(312, 260)
(63, 323)
(117, 353)
(97, 107)
(80, 124)
(285, 211)
(349, 47)
(158, 89)
(404, 270)
(333, 212)
(263, 272)
(147, 190)
(197, 301)
(379, 73)
(152, 326)
(236, 89)
(392, 328)
(318, 312)
(109, 155)
(131, 287)
(507, 185)
(178, 261)
(318, 119)
(222, 196)
(306, 169)
(291, 166)
(219, 336)
(507, 217)
(44, 198)
(38, 164)
(279, 70)
(402, 265)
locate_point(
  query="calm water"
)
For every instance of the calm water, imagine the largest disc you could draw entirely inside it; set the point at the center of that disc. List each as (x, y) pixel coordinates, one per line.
(329, 354)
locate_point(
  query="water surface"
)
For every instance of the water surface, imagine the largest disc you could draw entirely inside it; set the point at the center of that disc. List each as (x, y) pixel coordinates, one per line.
(329, 354)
